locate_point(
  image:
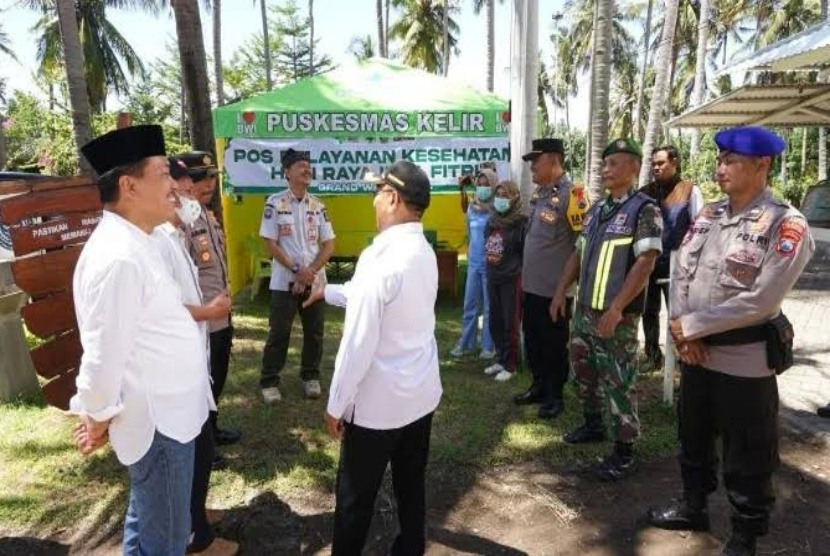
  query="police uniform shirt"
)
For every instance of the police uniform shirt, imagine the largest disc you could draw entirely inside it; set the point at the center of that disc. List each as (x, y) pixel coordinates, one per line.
(298, 227)
(206, 245)
(734, 271)
(554, 220)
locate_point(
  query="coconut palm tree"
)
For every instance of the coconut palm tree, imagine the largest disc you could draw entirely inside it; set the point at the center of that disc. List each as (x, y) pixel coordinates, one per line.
(822, 131)
(600, 90)
(106, 51)
(381, 35)
(490, 5)
(74, 63)
(420, 30)
(641, 88)
(311, 36)
(5, 49)
(217, 52)
(660, 92)
(269, 82)
(699, 92)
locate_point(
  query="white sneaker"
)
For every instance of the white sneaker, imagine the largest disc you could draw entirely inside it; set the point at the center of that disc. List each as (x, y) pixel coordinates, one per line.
(457, 352)
(504, 376)
(312, 389)
(494, 369)
(271, 395)
(487, 355)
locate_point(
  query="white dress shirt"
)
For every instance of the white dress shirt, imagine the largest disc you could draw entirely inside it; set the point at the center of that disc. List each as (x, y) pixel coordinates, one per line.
(144, 363)
(170, 242)
(386, 372)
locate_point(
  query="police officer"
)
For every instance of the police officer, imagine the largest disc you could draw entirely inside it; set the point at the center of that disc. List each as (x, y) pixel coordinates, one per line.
(679, 201)
(298, 233)
(206, 244)
(554, 215)
(614, 258)
(744, 253)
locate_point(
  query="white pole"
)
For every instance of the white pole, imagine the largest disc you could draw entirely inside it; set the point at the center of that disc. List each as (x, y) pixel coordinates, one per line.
(524, 74)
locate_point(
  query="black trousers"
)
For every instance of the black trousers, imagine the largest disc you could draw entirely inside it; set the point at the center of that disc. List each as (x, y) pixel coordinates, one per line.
(220, 356)
(505, 320)
(284, 306)
(546, 345)
(744, 413)
(203, 534)
(364, 454)
(651, 314)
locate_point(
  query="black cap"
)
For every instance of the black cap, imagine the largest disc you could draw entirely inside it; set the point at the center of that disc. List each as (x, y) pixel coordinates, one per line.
(124, 147)
(178, 169)
(408, 179)
(200, 164)
(290, 156)
(541, 146)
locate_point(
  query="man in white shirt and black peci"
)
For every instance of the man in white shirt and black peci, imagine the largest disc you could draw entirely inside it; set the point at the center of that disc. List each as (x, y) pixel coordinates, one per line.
(142, 380)
(386, 383)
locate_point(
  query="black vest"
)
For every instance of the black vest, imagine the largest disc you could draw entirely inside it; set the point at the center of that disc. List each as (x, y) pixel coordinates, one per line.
(608, 253)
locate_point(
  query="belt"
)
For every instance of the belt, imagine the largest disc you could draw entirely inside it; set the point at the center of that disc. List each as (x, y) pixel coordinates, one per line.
(739, 336)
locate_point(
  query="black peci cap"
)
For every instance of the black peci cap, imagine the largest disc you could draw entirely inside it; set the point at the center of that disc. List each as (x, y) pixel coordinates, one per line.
(124, 147)
(409, 180)
(541, 146)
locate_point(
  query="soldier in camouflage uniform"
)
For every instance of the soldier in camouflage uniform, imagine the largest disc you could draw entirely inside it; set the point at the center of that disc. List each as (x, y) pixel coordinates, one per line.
(614, 258)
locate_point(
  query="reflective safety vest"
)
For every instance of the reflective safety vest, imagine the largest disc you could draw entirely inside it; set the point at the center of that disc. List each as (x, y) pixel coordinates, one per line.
(608, 253)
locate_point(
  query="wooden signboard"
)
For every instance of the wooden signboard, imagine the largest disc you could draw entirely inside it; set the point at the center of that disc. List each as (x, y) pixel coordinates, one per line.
(49, 220)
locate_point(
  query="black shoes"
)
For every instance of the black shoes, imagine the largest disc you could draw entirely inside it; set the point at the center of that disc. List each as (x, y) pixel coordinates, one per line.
(223, 437)
(680, 516)
(740, 544)
(219, 463)
(593, 430)
(551, 410)
(533, 395)
(616, 467)
(824, 411)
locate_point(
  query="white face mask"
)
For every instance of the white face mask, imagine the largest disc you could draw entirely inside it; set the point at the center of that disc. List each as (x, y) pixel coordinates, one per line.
(190, 211)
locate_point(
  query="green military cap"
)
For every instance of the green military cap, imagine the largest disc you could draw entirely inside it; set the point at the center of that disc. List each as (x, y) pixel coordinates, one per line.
(624, 145)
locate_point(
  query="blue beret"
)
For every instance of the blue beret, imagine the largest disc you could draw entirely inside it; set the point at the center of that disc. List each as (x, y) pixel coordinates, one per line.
(750, 141)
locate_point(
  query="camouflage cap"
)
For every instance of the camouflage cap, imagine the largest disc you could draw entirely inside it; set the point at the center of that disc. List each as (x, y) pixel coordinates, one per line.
(623, 145)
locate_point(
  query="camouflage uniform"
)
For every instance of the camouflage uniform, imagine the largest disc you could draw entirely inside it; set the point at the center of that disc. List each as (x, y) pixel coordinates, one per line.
(607, 367)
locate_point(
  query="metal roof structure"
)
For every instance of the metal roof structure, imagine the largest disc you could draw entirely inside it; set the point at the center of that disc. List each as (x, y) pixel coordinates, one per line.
(767, 105)
(805, 51)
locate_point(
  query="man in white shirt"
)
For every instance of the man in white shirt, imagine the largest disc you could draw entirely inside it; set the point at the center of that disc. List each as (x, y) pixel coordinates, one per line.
(142, 376)
(170, 241)
(386, 383)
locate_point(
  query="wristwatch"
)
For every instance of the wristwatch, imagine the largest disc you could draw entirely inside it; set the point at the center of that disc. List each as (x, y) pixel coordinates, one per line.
(296, 268)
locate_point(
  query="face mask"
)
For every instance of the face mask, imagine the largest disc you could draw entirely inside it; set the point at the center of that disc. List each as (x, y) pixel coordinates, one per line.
(190, 211)
(483, 192)
(501, 204)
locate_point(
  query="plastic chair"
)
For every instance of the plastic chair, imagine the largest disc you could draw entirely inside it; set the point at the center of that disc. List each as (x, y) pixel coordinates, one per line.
(260, 263)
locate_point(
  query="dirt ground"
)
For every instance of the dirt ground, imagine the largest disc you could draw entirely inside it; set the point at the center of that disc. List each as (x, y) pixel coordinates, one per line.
(531, 510)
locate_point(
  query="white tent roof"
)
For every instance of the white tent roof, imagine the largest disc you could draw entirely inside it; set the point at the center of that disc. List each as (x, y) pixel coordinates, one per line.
(807, 50)
(770, 105)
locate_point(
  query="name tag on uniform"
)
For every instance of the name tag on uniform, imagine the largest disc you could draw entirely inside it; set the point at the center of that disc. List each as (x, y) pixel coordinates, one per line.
(311, 228)
(547, 215)
(285, 230)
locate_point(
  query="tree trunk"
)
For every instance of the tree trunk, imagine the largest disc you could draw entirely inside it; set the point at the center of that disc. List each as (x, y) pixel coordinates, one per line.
(446, 37)
(661, 90)
(217, 52)
(803, 172)
(311, 37)
(491, 44)
(699, 92)
(386, 31)
(195, 78)
(600, 89)
(381, 38)
(587, 175)
(76, 80)
(2, 143)
(269, 82)
(641, 90)
(822, 131)
(782, 174)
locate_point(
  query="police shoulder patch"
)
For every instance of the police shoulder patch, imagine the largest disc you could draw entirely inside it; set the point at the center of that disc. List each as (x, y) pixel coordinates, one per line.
(790, 233)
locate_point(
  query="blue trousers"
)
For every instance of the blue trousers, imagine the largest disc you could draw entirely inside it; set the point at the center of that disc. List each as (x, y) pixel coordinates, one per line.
(475, 303)
(158, 516)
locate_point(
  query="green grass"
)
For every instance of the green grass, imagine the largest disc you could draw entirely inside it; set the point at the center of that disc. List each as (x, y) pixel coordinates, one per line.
(47, 488)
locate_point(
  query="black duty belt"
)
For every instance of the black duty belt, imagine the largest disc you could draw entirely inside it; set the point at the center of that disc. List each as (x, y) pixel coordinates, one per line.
(739, 336)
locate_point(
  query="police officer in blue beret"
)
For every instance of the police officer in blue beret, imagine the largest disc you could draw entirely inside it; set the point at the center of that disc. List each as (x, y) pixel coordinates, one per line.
(738, 261)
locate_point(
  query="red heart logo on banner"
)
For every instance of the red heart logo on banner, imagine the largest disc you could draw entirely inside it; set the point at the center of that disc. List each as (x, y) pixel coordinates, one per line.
(249, 117)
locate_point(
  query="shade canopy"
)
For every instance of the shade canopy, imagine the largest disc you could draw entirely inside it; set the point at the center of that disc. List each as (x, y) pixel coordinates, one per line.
(807, 50)
(770, 105)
